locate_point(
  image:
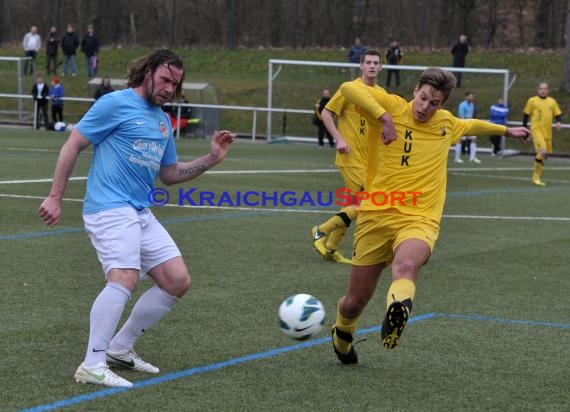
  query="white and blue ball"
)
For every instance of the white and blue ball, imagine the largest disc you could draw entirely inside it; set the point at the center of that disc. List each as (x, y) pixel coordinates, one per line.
(60, 127)
(301, 316)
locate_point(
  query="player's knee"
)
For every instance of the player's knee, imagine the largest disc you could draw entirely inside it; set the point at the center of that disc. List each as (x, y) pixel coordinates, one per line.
(405, 268)
(183, 284)
(352, 306)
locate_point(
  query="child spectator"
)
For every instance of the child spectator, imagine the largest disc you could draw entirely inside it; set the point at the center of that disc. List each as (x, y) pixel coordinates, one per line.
(56, 95)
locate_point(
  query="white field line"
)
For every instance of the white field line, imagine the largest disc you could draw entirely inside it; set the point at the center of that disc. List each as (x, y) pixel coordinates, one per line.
(14, 182)
(291, 210)
(300, 171)
(505, 177)
(213, 172)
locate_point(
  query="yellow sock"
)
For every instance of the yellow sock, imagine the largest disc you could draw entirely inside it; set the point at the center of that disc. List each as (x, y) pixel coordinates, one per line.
(538, 165)
(334, 239)
(340, 220)
(400, 290)
(344, 325)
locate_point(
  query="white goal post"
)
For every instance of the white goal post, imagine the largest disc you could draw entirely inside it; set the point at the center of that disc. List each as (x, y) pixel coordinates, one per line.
(19, 78)
(276, 65)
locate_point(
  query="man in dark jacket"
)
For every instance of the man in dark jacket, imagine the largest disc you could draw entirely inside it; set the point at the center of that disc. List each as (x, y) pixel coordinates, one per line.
(394, 57)
(51, 51)
(459, 52)
(40, 93)
(69, 45)
(90, 47)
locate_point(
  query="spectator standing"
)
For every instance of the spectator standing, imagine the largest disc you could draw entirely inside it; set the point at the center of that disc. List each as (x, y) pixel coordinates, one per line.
(318, 121)
(459, 51)
(69, 45)
(90, 47)
(354, 56)
(52, 47)
(104, 88)
(394, 57)
(32, 43)
(40, 93)
(56, 96)
(498, 115)
(467, 111)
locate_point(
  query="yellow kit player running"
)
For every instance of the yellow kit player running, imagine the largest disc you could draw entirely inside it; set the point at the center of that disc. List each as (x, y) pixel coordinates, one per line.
(541, 110)
(398, 223)
(350, 138)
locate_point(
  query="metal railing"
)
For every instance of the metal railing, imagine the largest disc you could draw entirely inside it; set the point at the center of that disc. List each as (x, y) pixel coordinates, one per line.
(253, 109)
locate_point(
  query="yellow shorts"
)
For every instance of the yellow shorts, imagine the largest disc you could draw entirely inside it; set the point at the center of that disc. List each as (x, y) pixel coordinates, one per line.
(542, 143)
(378, 233)
(354, 178)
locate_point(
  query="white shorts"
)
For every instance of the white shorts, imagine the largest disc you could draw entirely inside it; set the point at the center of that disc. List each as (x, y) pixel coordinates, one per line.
(125, 238)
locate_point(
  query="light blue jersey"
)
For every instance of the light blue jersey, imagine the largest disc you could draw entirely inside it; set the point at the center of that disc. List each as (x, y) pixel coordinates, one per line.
(466, 110)
(132, 140)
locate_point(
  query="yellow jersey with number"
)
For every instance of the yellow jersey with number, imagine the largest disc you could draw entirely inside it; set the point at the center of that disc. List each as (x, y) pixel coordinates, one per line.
(542, 112)
(410, 174)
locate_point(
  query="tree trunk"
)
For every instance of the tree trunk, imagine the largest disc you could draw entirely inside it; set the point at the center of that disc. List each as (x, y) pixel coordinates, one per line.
(567, 61)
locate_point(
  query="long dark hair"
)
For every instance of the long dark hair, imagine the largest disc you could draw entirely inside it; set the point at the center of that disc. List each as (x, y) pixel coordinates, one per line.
(149, 63)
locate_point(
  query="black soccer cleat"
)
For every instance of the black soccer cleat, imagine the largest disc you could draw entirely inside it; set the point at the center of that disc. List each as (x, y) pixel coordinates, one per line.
(394, 322)
(346, 358)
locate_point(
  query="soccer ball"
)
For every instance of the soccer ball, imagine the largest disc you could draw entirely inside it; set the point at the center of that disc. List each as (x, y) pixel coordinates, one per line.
(301, 316)
(59, 127)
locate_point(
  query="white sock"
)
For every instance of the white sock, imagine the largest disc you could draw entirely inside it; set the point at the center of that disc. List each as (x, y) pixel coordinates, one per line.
(152, 306)
(105, 316)
(472, 150)
(458, 150)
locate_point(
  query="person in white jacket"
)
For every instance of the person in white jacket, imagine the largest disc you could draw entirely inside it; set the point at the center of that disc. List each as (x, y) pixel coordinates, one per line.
(32, 43)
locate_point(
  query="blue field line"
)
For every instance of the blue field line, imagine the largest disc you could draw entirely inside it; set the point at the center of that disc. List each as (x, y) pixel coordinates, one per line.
(506, 321)
(201, 369)
(44, 233)
(169, 221)
(264, 355)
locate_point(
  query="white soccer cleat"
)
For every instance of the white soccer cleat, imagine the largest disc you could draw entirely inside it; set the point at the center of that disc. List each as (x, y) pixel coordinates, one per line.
(100, 374)
(458, 160)
(475, 160)
(128, 359)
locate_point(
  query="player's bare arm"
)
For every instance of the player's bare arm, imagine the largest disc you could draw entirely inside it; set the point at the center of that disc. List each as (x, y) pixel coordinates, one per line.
(519, 132)
(328, 120)
(184, 171)
(50, 209)
(388, 129)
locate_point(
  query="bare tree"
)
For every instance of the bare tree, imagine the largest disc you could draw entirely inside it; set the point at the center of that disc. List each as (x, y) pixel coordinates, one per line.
(492, 22)
(567, 61)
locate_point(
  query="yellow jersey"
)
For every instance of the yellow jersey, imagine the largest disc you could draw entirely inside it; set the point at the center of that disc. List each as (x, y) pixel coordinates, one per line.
(542, 112)
(409, 175)
(354, 126)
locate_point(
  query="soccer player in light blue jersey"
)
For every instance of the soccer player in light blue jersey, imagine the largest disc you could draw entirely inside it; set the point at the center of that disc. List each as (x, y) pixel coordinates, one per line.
(133, 145)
